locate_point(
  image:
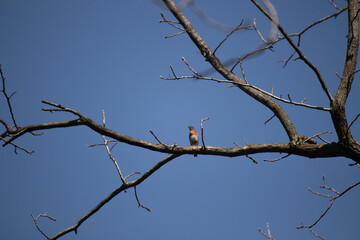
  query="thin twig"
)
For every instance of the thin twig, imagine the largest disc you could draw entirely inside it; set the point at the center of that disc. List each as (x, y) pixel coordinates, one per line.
(251, 158)
(109, 152)
(323, 139)
(288, 101)
(113, 159)
(157, 139)
(131, 174)
(139, 203)
(175, 34)
(191, 69)
(329, 188)
(258, 32)
(7, 98)
(353, 121)
(334, 5)
(269, 119)
(173, 24)
(269, 45)
(317, 135)
(172, 70)
(277, 159)
(286, 61)
(202, 131)
(60, 108)
(36, 223)
(315, 234)
(199, 76)
(239, 27)
(246, 155)
(320, 21)
(242, 71)
(319, 194)
(244, 140)
(18, 147)
(195, 76)
(268, 234)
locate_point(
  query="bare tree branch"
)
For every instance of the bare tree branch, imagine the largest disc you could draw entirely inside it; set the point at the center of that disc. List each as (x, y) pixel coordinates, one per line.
(36, 223)
(239, 27)
(296, 48)
(268, 234)
(123, 187)
(317, 150)
(315, 234)
(334, 5)
(3, 90)
(157, 139)
(258, 32)
(319, 21)
(18, 147)
(227, 74)
(316, 135)
(269, 119)
(338, 113)
(353, 121)
(269, 45)
(202, 130)
(275, 20)
(113, 159)
(137, 199)
(333, 198)
(173, 24)
(131, 174)
(347, 146)
(277, 159)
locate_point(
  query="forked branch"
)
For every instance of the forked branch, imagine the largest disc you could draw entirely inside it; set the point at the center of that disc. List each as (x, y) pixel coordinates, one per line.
(297, 49)
(333, 198)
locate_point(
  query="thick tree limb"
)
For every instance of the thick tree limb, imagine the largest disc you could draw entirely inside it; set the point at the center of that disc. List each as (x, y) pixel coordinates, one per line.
(338, 105)
(306, 150)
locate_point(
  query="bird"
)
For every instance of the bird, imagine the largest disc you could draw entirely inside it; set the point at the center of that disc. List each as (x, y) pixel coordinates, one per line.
(193, 137)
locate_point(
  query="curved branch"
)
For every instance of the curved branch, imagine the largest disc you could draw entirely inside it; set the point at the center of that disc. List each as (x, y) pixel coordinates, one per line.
(306, 150)
(123, 187)
(22, 130)
(333, 198)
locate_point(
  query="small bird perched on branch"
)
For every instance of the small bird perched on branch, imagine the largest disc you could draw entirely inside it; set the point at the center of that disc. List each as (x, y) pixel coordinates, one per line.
(193, 137)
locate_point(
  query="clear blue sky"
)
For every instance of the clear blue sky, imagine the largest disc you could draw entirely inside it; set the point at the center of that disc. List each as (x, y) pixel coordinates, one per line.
(95, 55)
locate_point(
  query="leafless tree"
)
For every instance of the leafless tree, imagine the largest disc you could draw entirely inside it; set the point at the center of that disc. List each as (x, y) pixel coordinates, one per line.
(345, 146)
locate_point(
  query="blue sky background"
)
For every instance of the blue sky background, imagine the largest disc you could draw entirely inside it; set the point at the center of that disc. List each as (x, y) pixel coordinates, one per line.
(95, 55)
